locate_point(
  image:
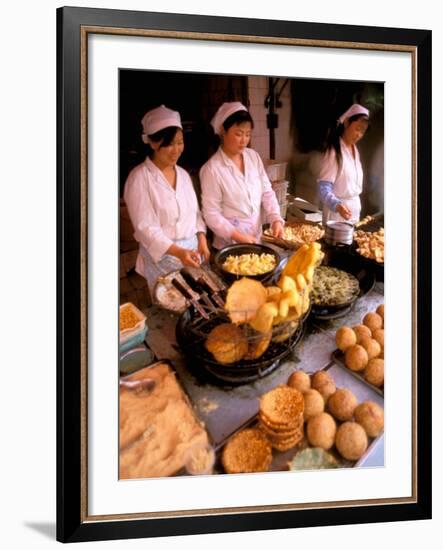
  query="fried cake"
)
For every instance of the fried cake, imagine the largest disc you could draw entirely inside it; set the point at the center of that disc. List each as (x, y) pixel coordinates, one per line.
(227, 343)
(282, 406)
(247, 451)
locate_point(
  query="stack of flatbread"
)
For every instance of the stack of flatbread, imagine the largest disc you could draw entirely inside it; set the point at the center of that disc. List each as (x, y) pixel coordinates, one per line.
(281, 417)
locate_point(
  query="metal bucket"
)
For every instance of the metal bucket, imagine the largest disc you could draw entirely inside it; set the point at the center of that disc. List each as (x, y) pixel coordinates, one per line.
(338, 233)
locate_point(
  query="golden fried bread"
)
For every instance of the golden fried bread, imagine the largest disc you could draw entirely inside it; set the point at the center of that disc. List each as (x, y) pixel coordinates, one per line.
(227, 343)
(244, 298)
(282, 406)
(247, 451)
(286, 444)
(258, 346)
(273, 431)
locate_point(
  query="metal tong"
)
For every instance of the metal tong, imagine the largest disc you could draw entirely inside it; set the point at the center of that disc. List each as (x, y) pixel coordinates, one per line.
(186, 291)
(202, 294)
(203, 278)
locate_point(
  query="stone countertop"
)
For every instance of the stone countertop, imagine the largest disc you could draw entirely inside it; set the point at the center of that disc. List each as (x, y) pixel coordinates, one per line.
(226, 408)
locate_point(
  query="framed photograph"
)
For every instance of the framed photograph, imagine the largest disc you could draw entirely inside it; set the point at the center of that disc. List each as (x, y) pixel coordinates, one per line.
(133, 399)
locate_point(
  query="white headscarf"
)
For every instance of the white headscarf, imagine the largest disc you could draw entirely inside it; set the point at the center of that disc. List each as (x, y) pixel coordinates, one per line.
(353, 110)
(225, 111)
(157, 119)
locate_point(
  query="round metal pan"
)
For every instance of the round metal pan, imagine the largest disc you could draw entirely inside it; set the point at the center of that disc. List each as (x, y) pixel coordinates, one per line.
(341, 258)
(377, 268)
(238, 250)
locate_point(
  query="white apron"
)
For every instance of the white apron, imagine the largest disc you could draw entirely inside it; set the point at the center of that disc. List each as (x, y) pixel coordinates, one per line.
(151, 270)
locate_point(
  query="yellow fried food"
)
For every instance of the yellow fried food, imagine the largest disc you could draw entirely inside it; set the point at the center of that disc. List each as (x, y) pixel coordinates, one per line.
(321, 430)
(287, 283)
(292, 267)
(300, 381)
(258, 346)
(314, 403)
(323, 382)
(371, 417)
(290, 298)
(244, 298)
(371, 244)
(374, 372)
(356, 358)
(373, 321)
(308, 259)
(342, 404)
(351, 440)
(309, 274)
(248, 451)
(282, 406)
(379, 335)
(311, 259)
(273, 293)
(345, 337)
(249, 264)
(227, 343)
(361, 331)
(301, 282)
(372, 347)
(262, 322)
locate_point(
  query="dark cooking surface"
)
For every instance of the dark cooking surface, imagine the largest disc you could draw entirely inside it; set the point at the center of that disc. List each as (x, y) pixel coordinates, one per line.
(226, 408)
(191, 339)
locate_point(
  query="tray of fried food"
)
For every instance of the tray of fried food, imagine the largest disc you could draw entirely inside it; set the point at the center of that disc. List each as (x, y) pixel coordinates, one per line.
(344, 419)
(295, 234)
(322, 420)
(360, 349)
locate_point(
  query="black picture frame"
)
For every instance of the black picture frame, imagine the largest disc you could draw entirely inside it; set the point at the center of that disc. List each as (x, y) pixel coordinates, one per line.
(73, 522)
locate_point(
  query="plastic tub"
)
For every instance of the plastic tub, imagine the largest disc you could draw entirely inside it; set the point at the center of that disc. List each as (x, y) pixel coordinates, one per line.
(133, 334)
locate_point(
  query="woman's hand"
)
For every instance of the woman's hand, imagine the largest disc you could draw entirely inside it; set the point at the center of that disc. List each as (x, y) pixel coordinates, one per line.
(277, 229)
(344, 211)
(243, 238)
(188, 257)
(203, 247)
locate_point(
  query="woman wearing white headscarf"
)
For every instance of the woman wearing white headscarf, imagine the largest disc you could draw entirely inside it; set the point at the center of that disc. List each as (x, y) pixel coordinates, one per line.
(236, 190)
(162, 203)
(340, 179)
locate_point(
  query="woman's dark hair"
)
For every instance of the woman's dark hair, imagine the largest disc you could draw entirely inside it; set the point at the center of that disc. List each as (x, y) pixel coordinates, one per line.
(165, 137)
(333, 139)
(237, 118)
